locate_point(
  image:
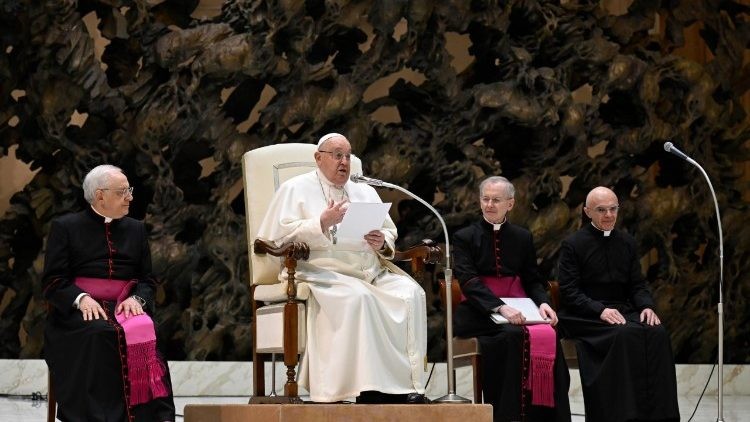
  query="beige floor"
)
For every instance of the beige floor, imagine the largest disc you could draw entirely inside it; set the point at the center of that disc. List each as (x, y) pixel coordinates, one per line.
(736, 408)
(228, 382)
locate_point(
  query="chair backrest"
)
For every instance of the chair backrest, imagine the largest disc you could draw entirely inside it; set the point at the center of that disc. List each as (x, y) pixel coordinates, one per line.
(263, 171)
(455, 293)
(554, 294)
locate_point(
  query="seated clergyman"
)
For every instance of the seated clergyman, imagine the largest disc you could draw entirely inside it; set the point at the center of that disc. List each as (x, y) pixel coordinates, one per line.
(99, 340)
(624, 353)
(524, 375)
(366, 322)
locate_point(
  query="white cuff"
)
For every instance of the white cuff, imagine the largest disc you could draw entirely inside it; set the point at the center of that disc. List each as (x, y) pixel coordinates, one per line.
(77, 302)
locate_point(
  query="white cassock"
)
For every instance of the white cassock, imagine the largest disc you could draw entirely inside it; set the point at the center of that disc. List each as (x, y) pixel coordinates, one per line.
(366, 319)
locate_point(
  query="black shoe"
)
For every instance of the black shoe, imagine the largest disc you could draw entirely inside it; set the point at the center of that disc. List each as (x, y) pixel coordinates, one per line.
(416, 398)
(376, 397)
(372, 397)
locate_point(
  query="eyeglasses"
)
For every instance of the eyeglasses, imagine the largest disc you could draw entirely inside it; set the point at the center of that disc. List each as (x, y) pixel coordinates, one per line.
(493, 201)
(121, 192)
(338, 155)
(603, 210)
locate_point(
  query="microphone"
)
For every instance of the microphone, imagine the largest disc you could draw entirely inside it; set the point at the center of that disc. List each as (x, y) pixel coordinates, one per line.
(358, 178)
(669, 147)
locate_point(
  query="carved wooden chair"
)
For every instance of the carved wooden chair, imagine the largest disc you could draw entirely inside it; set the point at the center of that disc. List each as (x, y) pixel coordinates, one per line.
(568, 345)
(467, 352)
(278, 325)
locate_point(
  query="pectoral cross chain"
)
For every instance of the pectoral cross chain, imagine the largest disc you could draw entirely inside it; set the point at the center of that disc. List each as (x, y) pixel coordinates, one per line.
(333, 230)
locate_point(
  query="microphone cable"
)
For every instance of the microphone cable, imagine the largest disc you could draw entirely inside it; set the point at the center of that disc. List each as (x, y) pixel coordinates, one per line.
(429, 376)
(703, 392)
(34, 396)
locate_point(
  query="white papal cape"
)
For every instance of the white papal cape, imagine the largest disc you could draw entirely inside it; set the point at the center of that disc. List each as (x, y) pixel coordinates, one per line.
(366, 319)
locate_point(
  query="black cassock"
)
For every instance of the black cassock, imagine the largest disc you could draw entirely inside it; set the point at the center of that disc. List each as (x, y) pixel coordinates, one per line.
(478, 250)
(627, 371)
(84, 357)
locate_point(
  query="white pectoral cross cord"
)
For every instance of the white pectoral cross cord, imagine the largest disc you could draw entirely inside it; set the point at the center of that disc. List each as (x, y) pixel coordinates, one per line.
(333, 192)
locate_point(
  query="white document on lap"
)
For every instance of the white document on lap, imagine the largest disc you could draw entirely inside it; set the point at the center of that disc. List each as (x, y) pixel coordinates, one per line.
(526, 306)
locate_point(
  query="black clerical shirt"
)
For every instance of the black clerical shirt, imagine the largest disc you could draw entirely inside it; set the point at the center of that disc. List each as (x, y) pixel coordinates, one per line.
(83, 245)
(598, 271)
(480, 251)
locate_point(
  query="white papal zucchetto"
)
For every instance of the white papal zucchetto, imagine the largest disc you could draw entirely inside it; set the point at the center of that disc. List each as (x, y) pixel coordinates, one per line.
(327, 137)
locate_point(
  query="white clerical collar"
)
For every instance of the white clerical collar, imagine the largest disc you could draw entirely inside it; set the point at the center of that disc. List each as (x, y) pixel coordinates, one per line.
(605, 232)
(106, 219)
(496, 226)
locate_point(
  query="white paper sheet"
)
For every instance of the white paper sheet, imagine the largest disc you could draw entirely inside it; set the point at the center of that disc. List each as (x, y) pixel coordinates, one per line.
(362, 218)
(527, 307)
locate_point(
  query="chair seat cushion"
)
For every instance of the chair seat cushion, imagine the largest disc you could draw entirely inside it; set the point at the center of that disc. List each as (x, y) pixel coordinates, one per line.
(270, 325)
(277, 292)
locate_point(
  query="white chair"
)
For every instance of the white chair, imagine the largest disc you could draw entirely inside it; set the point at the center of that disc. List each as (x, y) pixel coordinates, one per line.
(279, 307)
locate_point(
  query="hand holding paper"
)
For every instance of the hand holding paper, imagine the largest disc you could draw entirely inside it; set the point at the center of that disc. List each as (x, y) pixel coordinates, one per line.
(376, 239)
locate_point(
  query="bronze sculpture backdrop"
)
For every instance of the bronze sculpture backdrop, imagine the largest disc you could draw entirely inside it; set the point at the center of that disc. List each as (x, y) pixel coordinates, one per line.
(557, 96)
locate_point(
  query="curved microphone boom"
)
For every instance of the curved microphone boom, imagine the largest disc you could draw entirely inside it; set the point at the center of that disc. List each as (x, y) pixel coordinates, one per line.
(669, 147)
(451, 397)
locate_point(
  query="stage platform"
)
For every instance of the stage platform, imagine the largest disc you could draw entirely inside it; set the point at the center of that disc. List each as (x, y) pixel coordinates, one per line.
(337, 412)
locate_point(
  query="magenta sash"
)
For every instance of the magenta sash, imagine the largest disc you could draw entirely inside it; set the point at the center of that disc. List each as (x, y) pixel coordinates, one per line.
(542, 344)
(145, 370)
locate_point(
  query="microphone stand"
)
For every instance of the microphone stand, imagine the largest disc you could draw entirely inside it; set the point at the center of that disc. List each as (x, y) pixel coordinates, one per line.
(451, 397)
(720, 307)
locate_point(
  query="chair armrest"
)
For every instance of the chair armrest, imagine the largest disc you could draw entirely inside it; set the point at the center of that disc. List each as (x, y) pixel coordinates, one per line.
(426, 250)
(293, 250)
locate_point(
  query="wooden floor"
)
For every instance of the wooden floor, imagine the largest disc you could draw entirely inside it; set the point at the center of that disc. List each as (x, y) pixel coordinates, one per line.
(337, 412)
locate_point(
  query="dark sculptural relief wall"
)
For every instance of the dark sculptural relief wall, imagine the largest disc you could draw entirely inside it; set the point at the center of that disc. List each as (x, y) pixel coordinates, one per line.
(558, 96)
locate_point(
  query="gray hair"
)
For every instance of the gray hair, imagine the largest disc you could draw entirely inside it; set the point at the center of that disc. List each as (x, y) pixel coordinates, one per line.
(510, 190)
(97, 178)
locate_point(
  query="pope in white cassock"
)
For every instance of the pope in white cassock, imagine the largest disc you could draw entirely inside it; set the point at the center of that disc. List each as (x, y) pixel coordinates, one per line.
(366, 323)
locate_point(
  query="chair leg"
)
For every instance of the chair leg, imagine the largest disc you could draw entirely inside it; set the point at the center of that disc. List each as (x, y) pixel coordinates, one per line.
(476, 367)
(290, 348)
(259, 374)
(51, 402)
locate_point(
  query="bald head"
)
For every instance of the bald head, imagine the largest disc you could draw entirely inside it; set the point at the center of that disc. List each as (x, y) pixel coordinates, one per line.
(601, 207)
(599, 193)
